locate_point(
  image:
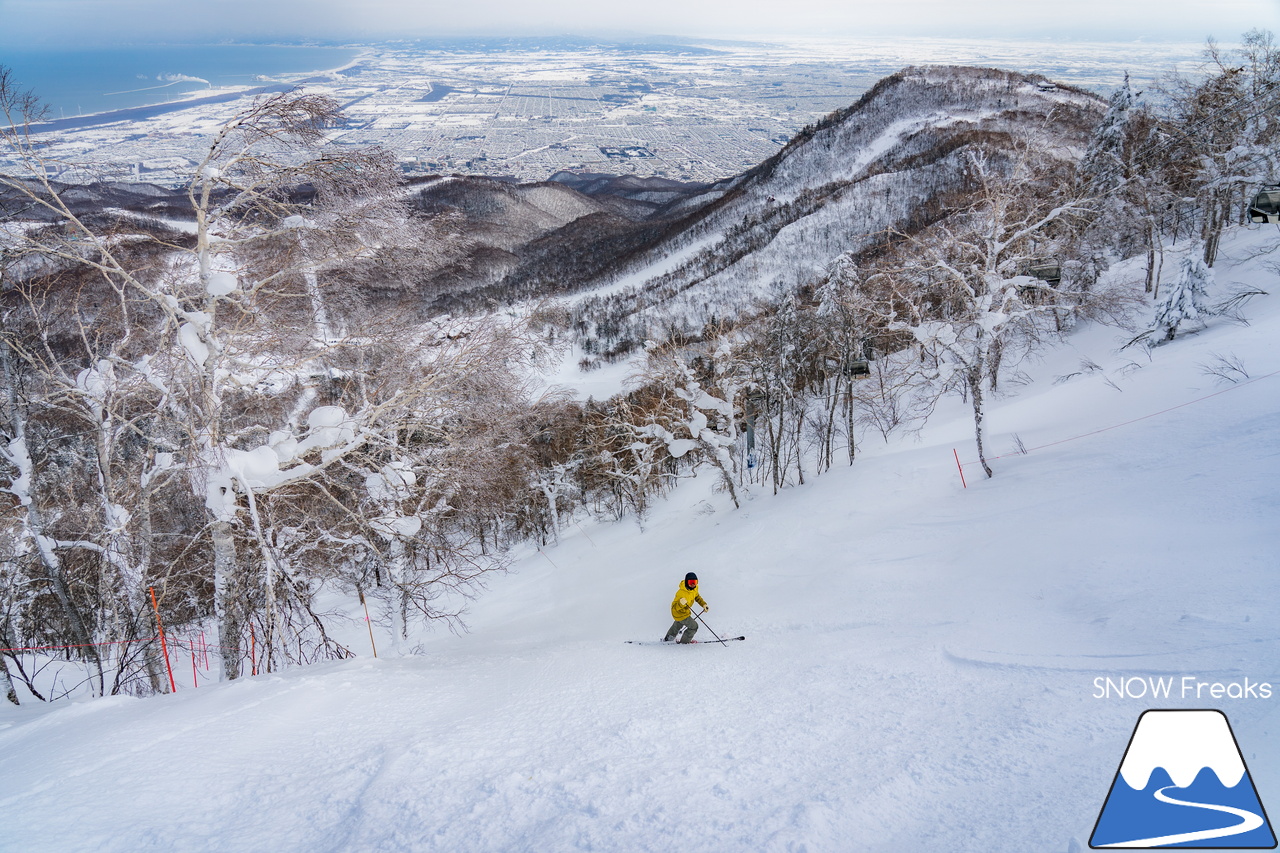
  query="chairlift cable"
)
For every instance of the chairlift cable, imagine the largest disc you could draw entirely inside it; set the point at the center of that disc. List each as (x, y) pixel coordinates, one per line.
(1148, 151)
(1152, 148)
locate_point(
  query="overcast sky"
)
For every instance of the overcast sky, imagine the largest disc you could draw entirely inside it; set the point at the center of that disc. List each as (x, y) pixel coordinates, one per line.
(84, 23)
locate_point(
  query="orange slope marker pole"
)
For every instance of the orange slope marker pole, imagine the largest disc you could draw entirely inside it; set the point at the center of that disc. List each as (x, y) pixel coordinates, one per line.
(173, 687)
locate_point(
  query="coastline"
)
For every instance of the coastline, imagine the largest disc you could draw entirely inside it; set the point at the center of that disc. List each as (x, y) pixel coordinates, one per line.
(217, 96)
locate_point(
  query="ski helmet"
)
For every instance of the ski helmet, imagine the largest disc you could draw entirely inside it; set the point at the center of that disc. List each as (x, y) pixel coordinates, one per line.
(691, 577)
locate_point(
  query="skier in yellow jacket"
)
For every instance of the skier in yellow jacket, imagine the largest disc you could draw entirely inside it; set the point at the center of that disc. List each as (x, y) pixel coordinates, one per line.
(682, 610)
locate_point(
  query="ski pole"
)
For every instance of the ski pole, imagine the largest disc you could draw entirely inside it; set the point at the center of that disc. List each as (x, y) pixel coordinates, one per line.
(698, 616)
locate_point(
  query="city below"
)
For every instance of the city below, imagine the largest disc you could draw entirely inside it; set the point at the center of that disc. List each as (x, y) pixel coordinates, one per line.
(684, 111)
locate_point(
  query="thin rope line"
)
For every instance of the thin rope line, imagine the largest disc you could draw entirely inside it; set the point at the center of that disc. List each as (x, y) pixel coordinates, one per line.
(1135, 420)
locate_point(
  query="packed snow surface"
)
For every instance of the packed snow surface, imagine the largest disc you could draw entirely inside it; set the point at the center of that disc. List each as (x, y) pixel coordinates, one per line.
(921, 672)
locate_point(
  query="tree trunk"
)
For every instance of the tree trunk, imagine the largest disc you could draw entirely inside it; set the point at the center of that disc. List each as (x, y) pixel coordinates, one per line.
(849, 413)
(398, 571)
(975, 395)
(993, 364)
(6, 683)
(773, 438)
(1214, 220)
(228, 603)
(57, 580)
(550, 492)
(829, 427)
(1153, 238)
(798, 445)
(151, 655)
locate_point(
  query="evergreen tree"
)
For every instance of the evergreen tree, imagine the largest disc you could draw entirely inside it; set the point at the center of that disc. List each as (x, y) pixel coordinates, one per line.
(1103, 166)
(1185, 299)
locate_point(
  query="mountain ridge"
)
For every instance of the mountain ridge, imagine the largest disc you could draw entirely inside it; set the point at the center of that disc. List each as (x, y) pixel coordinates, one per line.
(892, 160)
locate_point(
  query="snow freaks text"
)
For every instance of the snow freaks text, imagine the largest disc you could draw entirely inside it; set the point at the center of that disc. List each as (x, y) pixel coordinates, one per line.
(1173, 687)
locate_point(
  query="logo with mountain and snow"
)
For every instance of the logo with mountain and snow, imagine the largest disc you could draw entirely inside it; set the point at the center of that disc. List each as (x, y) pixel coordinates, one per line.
(1183, 783)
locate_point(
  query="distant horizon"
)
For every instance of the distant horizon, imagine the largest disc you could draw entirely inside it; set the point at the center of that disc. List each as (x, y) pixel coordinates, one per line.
(527, 108)
(120, 81)
(83, 24)
(614, 37)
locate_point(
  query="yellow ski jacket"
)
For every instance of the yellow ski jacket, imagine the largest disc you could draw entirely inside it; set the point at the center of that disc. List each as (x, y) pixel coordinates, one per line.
(682, 604)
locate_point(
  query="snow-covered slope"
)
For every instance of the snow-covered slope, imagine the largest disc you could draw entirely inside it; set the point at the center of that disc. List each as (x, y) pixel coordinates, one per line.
(919, 673)
(527, 240)
(894, 160)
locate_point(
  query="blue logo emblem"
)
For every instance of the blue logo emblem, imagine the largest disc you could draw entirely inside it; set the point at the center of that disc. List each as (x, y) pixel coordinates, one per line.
(1183, 783)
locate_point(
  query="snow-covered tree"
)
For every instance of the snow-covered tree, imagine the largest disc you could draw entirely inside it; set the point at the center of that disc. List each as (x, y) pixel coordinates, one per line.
(841, 322)
(623, 457)
(34, 533)
(963, 289)
(219, 365)
(1104, 165)
(779, 357)
(894, 392)
(1221, 132)
(1184, 299)
(693, 422)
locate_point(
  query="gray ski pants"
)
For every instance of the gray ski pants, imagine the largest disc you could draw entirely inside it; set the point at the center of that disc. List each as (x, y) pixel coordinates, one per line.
(690, 626)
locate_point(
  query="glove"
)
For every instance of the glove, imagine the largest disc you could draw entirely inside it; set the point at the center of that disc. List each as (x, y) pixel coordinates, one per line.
(706, 607)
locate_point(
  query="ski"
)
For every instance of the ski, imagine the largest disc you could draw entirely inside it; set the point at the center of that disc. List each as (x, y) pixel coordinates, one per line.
(674, 643)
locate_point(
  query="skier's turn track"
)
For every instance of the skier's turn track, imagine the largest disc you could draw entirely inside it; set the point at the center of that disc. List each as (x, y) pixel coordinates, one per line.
(1249, 822)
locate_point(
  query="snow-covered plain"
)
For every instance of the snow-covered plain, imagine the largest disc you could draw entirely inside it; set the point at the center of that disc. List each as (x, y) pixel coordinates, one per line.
(919, 673)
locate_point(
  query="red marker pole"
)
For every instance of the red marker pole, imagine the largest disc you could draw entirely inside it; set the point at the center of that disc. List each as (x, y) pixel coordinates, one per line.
(961, 467)
(369, 623)
(173, 687)
(195, 679)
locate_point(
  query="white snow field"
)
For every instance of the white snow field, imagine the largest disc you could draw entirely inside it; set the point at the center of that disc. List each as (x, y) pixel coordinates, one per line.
(919, 673)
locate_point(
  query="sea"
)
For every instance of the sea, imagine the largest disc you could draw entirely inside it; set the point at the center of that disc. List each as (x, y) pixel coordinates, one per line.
(83, 82)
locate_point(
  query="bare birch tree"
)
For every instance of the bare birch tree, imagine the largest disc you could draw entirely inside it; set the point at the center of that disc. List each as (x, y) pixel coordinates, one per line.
(965, 291)
(693, 422)
(254, 387)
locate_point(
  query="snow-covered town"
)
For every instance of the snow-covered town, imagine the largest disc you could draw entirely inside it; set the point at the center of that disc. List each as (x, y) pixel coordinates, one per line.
(690, 111)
